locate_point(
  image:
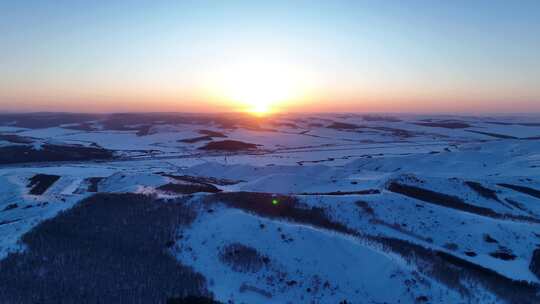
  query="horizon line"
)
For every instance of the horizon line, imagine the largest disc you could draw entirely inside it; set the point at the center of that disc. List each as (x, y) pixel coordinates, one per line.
(438, 113)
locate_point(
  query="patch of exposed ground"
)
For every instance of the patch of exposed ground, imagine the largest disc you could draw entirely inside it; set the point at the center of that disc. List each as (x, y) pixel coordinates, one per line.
(39, 183)
(229, 145)
(93, 183)
(242, 258)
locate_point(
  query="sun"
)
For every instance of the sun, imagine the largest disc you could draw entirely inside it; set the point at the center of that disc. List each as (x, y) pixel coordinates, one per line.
(259, 109)
(259, 90)
(259, 86)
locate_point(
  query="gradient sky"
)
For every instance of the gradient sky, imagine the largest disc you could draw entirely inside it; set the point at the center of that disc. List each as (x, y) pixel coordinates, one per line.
(376, 56)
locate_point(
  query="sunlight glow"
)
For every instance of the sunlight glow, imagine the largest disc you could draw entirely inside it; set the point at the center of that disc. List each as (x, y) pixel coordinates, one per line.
(259, 86)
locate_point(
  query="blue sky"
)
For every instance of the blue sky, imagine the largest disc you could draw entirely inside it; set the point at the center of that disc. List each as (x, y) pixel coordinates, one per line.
(451, 56)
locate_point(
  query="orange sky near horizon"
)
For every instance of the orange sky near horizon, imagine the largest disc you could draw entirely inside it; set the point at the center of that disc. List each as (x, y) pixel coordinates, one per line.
(106, 105)
(272, 56)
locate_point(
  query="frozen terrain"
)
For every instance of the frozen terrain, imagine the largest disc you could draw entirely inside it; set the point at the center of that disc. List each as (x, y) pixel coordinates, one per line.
(319, 208)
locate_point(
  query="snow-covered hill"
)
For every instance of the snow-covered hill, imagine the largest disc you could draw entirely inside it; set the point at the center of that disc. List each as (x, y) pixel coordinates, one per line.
(312, 209)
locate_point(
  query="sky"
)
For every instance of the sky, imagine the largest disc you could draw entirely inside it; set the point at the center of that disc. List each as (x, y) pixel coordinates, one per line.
(458, 56)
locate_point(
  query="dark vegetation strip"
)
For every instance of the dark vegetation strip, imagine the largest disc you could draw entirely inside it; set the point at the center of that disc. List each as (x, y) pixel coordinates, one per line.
(522, 189)
(454, 271)
(16, 139)
(39, 183)
(188, 188)
(502, 136)
(366, 208)
(524, 124)
(444, 267)
(342, 126)
(529, 124)
(8, 222)
(375, 220)
(110, 248)
(286, 124)
(486, 193)
(229, 145)
(84, 126)
(503, 254)
(10, 207)
(437, 198)
(395, 132)
(44, 120)
(336, 193)
(517, 205)
(446, 125)
(380, 118)
(242, 258)
(50, 153)
(204, 179)
(126, 121)
(278, 206)
(534, 265)
(212, 133)
(453, 202)
(195, 139)
(192, 300)
(483, 191)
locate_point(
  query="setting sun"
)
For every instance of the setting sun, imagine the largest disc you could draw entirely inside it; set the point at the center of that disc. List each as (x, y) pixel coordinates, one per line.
(259, 86)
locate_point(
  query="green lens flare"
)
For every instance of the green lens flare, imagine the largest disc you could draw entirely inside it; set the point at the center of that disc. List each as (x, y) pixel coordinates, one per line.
(275, 201)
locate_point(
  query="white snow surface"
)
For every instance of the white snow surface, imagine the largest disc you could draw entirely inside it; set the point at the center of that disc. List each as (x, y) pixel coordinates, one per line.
(309, 161)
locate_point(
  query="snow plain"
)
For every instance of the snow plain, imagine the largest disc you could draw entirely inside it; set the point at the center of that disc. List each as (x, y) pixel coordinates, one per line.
(409, 178)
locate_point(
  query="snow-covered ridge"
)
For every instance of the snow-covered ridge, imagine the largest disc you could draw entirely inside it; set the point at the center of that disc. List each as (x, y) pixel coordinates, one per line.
(337, 207)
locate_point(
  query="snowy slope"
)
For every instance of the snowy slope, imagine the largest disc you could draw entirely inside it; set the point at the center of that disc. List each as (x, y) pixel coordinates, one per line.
(369, 209)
